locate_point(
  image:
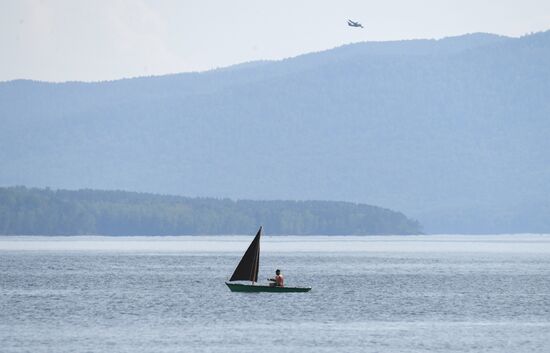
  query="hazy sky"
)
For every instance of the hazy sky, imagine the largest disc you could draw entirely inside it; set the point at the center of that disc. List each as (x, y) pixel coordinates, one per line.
(60, 40)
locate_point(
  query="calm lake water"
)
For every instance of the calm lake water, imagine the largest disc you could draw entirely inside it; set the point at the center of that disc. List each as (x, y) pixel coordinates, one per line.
(370, 294)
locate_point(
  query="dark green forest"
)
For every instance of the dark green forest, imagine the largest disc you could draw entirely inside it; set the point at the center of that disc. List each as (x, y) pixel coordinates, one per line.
(30, 211)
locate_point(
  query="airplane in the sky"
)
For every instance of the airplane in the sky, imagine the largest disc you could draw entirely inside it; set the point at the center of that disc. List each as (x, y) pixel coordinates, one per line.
(354, 24)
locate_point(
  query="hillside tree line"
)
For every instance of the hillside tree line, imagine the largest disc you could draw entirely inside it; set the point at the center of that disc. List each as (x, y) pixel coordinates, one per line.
(31, 211)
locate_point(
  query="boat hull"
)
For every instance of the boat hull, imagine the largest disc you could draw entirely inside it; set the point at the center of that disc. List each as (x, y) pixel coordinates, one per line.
(238, 287)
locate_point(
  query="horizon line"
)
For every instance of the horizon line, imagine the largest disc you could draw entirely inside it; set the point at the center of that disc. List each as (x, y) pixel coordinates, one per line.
(219, 68)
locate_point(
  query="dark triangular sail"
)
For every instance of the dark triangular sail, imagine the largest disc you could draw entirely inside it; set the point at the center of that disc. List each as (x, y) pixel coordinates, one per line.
(247, 269)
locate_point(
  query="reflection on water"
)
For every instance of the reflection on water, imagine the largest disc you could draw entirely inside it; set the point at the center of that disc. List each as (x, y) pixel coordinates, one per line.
(526, 243)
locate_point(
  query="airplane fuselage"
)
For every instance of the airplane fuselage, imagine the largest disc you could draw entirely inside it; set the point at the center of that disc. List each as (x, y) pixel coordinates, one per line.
(354, 24)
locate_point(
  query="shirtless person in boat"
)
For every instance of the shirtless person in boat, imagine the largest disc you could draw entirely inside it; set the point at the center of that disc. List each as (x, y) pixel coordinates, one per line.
(278, 281)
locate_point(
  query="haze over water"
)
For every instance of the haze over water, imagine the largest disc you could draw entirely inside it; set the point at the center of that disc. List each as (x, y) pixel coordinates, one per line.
(380, 294)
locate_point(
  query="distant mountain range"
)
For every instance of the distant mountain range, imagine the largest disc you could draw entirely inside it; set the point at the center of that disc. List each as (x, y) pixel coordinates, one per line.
(453, 132)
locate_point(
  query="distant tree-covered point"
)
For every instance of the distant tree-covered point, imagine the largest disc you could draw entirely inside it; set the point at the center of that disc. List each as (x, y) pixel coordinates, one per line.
(30, 211)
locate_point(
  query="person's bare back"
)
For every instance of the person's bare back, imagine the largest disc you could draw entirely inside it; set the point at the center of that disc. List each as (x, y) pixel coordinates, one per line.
(278, 280)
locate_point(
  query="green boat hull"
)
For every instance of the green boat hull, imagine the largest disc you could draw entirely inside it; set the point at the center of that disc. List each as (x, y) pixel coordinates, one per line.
(238, 287)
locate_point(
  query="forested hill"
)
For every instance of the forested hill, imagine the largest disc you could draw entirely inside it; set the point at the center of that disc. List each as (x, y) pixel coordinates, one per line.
(453, 132)
(61, 212)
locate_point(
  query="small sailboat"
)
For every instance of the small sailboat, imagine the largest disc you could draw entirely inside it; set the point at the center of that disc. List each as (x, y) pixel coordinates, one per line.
(247, 270)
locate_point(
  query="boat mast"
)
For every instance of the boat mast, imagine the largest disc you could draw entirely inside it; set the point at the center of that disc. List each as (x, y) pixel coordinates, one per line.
(256, 261)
